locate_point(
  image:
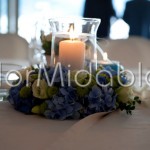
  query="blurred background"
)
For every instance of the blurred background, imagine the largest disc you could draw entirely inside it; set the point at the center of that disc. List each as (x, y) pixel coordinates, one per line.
(21, 16)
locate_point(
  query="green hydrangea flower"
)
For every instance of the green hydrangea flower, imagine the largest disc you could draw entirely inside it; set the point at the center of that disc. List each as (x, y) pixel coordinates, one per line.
(98, 69)
(126, 99)
(125, 94)
(51, 91)
(41, 90)
(43, 107)
(39, 109)
(82, 91)
(82, 78)
(115, 82)
(25, 92)
(36, 109)
(33, 77)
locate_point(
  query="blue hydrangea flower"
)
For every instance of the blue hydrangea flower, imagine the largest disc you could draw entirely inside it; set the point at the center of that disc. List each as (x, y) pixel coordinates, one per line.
(21, 104)
(103, 79)
(101, 99)
(111, 70)
(124, 79)
(69, 93)
(60, 108)
(57, 78)
(109, 97)
(114, 72)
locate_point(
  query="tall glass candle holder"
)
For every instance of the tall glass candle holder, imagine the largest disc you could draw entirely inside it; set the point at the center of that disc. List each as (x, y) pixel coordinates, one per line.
(74, 42)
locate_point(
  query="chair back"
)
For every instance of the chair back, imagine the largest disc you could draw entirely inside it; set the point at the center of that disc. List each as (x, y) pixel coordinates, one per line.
(129, 52)
(13, 46)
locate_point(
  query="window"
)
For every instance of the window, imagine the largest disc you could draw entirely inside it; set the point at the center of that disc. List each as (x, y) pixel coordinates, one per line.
(3, 16)
(29, 12)
(41, 10)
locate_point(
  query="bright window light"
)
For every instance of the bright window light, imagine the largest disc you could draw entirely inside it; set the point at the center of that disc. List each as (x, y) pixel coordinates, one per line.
(119, 30)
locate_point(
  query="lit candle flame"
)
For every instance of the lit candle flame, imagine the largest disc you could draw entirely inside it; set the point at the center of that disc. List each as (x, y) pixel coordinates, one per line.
(72, 32)
(105, 57)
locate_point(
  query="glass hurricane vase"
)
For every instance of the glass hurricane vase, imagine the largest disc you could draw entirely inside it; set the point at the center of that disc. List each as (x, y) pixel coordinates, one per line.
(74, 42)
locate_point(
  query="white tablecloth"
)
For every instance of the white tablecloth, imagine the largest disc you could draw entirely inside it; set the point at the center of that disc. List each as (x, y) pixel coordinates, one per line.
(115, 131)
(28, 132)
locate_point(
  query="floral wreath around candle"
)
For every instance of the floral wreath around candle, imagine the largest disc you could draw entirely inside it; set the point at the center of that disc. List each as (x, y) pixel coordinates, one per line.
(66, 98)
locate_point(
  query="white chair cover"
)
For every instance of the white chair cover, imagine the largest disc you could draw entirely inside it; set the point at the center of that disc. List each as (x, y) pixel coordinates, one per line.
(13, 46)
(129, 52)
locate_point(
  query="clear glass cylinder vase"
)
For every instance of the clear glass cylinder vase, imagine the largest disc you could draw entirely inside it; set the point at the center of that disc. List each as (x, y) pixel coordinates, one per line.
(74, 42)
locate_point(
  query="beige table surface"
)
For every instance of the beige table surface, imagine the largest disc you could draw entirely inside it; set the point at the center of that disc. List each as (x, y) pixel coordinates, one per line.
(28, 132)
(114, 131)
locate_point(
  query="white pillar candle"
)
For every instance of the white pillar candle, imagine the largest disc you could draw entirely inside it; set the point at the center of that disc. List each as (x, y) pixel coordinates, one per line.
(72, 52)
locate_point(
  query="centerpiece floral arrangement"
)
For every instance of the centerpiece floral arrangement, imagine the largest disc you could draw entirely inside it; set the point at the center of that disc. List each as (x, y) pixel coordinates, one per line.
(56, 93)
(60, 93)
